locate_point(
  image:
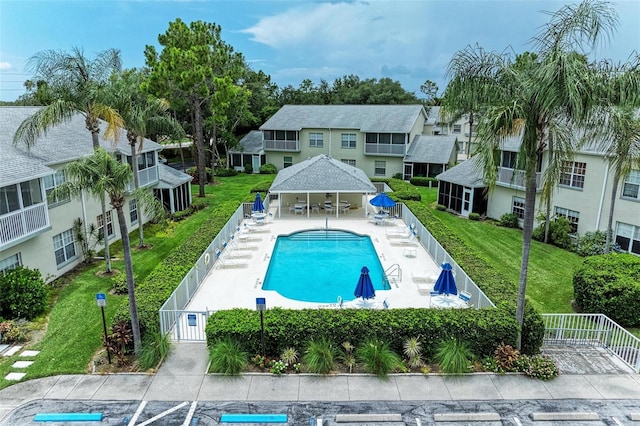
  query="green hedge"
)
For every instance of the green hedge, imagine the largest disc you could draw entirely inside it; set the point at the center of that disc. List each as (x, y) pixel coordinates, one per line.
(483, 329)
(163, 280)
(424, 181)
(610, 285)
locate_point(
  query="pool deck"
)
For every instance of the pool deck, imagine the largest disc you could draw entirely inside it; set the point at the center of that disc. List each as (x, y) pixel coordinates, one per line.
(238, 283)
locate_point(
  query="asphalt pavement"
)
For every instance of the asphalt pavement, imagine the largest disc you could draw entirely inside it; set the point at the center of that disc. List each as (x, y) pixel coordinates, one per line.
(590, 378)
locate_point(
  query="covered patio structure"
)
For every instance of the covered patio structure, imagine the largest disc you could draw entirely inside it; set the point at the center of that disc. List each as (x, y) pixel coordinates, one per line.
(321, 185)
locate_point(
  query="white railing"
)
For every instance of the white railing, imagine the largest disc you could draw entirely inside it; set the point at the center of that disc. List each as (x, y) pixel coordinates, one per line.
(22, 223)
(145, 177)
(270, 145)
(592, 330)
(172, 311)
(514, 178)
(440, 255)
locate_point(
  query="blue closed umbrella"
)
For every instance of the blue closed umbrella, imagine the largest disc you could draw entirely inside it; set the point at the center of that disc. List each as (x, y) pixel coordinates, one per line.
(382, 200)
(257, 204)
(446, 283)
(365, 289)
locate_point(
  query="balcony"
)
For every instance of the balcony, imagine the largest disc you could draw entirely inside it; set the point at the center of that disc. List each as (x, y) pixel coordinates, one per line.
(280, 145)
(384, 149)
(148, 176)
(18, 225)
(514, 178)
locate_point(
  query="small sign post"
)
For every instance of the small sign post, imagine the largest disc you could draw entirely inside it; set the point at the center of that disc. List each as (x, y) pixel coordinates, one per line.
(101, 299)
(261, 306)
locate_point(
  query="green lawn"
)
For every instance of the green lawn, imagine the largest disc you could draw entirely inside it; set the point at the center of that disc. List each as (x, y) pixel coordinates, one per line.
(74, 329)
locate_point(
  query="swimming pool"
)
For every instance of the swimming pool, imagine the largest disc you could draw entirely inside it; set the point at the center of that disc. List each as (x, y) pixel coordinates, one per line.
(320, 265)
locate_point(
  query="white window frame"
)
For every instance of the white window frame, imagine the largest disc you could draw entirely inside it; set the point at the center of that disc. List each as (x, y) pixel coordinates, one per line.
(631, 186)
(349, 162)
(316, 139)
(573, 174)
(571, 215)
(133, 211)
(380, 168)
(11, 262)
(457, 128)
(50, 183)
(64, 243)
(110, 229)
(517, 206)
(287, 161)
(632, 232)
(348, 140)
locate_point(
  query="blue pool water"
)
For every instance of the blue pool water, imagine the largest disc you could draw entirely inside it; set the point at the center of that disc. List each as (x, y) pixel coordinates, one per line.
(320, 265)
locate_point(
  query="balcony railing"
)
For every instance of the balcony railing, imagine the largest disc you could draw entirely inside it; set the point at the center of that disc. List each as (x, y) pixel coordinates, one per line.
(271, 145)
(514, 178)
(22, 223)
(146, 177)
(387, 149)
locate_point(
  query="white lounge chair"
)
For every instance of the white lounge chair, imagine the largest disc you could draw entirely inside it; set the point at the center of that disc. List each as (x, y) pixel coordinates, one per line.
(465, 296)
(399, 232)
(244, 242)
(411, 240)
(230, 250)
(224, 261)
(423, 278)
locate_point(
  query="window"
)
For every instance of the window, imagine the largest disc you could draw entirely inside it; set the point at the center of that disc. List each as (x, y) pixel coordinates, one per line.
(628, 237)
(457, 128)
(573, 174)
(518, 207)
(101, 225)
(146, 160)
(64, 247)
(315, 140)
(31, 193)
(11, 262)
(631, 187)
(571, 215)
(349, 162)
(287, 161)
(280, 135)
(348, 140)
(9, 199)
(380, 168)
(133, 211)
(50, 183)
(509, 159)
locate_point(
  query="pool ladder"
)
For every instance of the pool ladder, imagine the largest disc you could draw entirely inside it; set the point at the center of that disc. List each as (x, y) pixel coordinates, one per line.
(392, 275)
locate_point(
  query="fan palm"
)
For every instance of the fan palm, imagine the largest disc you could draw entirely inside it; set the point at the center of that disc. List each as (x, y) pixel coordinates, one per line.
(99, 174)
(142, 116)
(76, 85)
(531, 97)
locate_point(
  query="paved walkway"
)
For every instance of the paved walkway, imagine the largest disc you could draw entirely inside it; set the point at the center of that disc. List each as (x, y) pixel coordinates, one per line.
(183, 378)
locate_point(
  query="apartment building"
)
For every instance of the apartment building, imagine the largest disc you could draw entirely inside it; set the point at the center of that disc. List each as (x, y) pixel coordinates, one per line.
(36, 231)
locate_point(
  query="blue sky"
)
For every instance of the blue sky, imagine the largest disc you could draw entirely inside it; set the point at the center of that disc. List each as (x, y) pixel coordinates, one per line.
(408, 41)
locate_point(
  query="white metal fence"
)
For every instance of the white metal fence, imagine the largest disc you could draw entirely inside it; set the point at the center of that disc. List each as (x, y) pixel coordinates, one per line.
(592, 330)
(172, 313)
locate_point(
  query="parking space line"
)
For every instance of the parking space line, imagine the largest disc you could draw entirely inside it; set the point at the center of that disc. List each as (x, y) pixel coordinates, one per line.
(134, 419)
(164, 413)
(192, 410)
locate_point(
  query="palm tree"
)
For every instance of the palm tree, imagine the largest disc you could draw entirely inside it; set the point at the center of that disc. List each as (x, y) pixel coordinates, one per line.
(77, 86)
(99, 174)
(532, 96)
(623, 154)
(142, 115)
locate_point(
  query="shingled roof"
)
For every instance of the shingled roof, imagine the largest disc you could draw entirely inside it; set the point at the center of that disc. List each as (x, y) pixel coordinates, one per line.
(63, 143)
(366, 118)
(431, 149)
(251, 143)
(468, 173)
(322, 174)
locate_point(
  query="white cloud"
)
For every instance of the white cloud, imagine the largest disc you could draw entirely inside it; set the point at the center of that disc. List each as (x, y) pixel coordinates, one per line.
(5, 65)
(329, 40)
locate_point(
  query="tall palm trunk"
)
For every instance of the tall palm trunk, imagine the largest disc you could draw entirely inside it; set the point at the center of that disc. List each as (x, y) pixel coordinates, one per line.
(128, 266)
(136, 184)
(92, 125)
(614, 193)
(470, 133)
(527, 231)
(547, 224)
(202, 171)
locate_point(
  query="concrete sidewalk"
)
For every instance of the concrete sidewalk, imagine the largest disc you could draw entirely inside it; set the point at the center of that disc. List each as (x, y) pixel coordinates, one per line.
(183, 378)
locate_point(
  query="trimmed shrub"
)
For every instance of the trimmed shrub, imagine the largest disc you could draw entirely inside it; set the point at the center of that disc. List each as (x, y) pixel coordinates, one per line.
(509, 220)
(193, 172)
(23, 293)
(424, 181)
(224, 172)
(610, 284)
(398, 176)
(474, 216)
(248, 168)
(268, 169)
(593, 243)
(440, 207)
(559, 230)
